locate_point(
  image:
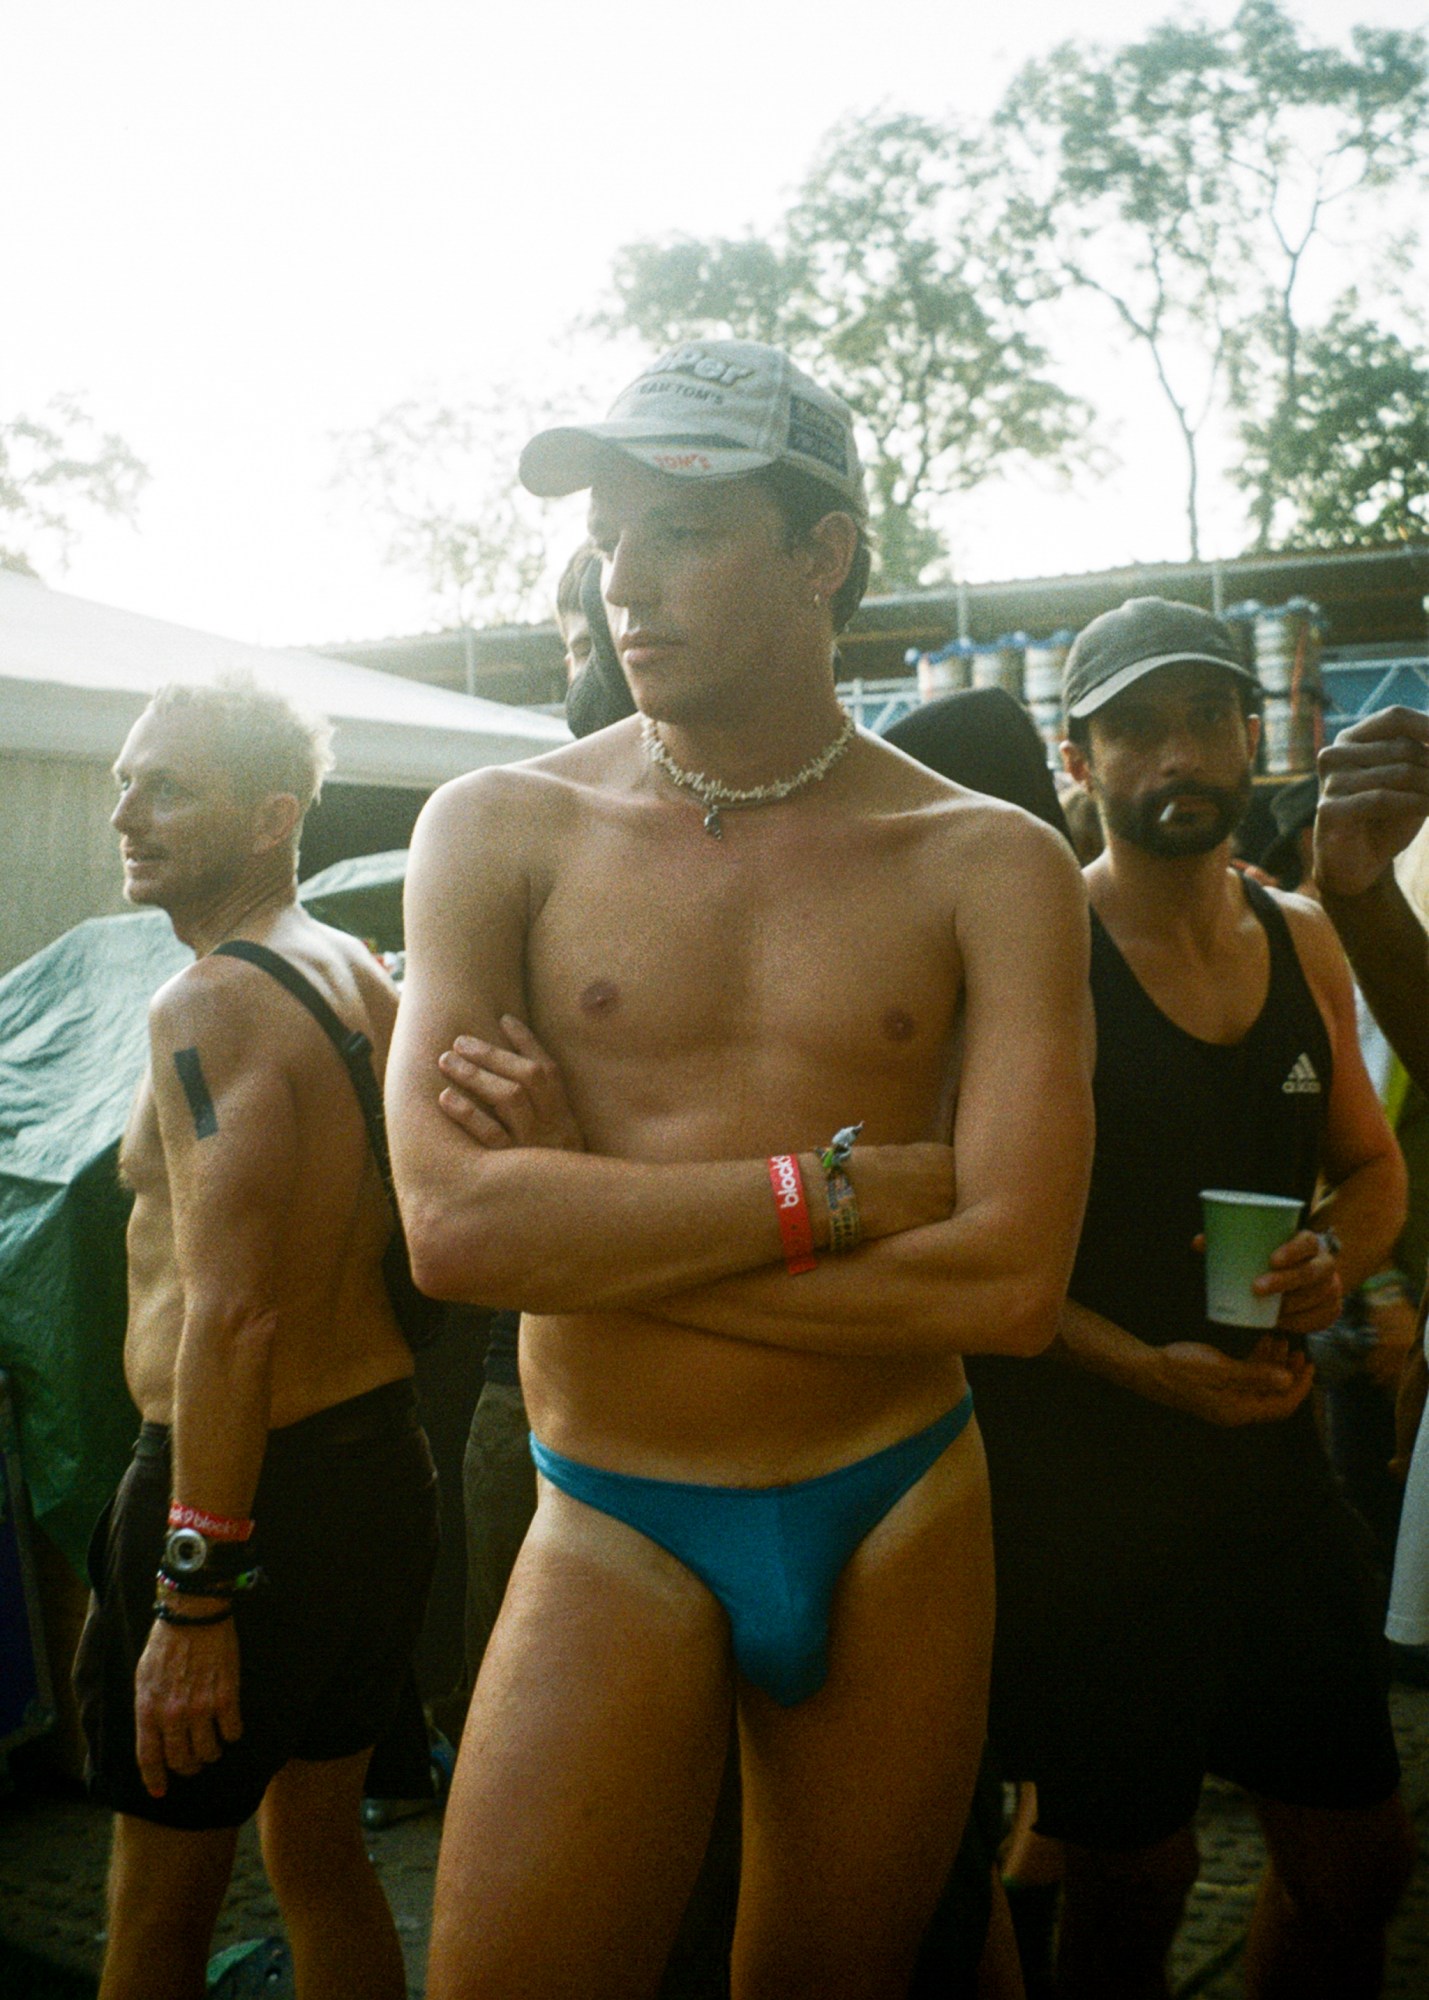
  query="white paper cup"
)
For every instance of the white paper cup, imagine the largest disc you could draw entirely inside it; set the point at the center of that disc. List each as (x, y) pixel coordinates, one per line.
(1241, 1232)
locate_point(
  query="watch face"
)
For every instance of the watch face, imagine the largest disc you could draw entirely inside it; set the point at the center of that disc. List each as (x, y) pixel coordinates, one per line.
(185, 1551)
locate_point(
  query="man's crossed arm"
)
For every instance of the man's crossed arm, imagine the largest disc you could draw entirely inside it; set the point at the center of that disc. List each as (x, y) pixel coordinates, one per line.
(554, 1230)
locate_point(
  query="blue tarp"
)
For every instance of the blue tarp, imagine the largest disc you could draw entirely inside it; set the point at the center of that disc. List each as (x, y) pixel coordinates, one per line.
(363, 895)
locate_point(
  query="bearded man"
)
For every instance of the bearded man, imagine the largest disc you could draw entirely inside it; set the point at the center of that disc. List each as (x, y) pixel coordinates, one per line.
(1180, 1588)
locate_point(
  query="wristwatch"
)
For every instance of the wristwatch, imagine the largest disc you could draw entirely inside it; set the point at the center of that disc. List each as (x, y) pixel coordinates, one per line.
(186, 1551)
(189, 1554)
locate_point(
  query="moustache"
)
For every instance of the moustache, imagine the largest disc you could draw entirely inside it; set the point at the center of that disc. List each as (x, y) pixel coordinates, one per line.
(1217, 795)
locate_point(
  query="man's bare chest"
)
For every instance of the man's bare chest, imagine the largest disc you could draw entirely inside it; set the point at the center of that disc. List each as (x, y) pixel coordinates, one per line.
(141, 1151)
(847, 951)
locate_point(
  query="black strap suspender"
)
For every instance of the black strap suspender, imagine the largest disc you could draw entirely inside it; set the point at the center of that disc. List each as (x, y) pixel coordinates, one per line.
(351, 1044)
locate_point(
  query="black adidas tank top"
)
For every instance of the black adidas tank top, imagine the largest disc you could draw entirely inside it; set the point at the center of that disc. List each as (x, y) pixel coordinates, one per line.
(1174, 1115)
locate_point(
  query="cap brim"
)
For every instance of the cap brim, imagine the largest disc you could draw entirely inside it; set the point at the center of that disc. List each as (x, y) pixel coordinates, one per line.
(1108, 690)
(569, 458)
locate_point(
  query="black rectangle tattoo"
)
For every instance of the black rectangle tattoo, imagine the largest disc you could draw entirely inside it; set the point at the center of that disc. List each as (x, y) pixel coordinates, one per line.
(195, 1085)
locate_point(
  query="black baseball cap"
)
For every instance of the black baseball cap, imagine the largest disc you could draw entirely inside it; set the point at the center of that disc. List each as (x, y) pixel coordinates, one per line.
(1145, 633)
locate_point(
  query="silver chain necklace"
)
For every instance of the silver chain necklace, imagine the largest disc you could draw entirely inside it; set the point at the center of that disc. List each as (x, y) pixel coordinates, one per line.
(714, 795)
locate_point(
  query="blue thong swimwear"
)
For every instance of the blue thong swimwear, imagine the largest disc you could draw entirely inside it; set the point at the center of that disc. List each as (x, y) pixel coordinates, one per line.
(771, 1554)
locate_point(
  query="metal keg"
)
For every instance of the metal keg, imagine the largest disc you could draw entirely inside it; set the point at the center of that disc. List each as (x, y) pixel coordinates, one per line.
(947, 671)
(1288, 731)
(1000, 664)
(1043, 666)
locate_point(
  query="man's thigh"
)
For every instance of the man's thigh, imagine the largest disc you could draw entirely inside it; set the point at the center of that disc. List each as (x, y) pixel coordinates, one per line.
(589, 1769)
(499, 1493)
(855, 1799)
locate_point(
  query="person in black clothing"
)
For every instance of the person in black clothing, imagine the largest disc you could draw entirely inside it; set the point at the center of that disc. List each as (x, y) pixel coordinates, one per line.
(1179, 1586)
(984, 739)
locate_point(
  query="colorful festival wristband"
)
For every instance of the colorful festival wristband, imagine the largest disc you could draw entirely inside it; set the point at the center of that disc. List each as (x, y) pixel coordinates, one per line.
(213, 1527)
(845, 1223)
(791, 1205)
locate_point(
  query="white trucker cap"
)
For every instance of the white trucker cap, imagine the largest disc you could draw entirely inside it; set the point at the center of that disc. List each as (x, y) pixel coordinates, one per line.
(711, 410)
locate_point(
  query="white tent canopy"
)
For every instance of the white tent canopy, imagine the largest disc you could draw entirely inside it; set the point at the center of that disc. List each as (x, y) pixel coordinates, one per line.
(74, 675)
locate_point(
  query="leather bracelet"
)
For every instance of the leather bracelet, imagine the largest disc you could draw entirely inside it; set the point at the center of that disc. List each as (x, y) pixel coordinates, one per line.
(791, 1205)
(167, 1616)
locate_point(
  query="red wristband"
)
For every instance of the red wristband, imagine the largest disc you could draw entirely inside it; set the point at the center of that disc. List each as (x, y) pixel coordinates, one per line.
(213, 1527)
(791, 1205)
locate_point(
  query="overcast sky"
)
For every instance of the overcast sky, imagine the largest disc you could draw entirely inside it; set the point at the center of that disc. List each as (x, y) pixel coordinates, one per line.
(237, 230)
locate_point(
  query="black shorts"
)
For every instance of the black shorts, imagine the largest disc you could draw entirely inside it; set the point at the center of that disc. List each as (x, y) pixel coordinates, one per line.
(1253, 1651)
(346, 1534)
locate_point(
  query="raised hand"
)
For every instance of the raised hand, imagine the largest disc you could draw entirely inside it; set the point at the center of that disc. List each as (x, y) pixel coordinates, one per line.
(1374, 796)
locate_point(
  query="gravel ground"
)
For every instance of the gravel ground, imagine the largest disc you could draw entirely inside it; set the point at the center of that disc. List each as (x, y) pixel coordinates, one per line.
(52, 1858)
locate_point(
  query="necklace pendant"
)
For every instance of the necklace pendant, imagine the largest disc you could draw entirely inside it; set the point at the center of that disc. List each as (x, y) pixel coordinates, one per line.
(713, 826)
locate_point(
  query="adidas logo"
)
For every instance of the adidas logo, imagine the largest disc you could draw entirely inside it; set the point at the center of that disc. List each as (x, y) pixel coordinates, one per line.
(1302, 1078)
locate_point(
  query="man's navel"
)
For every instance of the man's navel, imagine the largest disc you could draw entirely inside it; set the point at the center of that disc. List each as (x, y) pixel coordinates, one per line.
(600, 997)
(898, 1026)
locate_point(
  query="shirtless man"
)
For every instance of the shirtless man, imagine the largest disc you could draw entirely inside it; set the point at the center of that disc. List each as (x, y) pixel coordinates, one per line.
(724, 969)
(279, 1428)
(1180, 1587)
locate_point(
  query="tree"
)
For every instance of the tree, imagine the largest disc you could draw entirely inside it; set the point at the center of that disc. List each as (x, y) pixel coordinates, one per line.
(891, 277)
(439, 481)
(52, 467)
(1323, 134)
(1185, 178)
(1121, 155)
(1350, 463)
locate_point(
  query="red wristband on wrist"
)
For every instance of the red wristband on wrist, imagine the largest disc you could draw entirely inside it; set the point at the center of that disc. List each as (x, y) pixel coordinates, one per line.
(791, 1205)
(214, 1527)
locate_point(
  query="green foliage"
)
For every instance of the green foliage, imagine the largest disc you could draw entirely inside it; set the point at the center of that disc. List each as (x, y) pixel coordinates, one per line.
(894, 278)
(1184, 179)
(1350, 464)
(1324, 135)
(735, 288)
(438, 481)
(52, 467)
